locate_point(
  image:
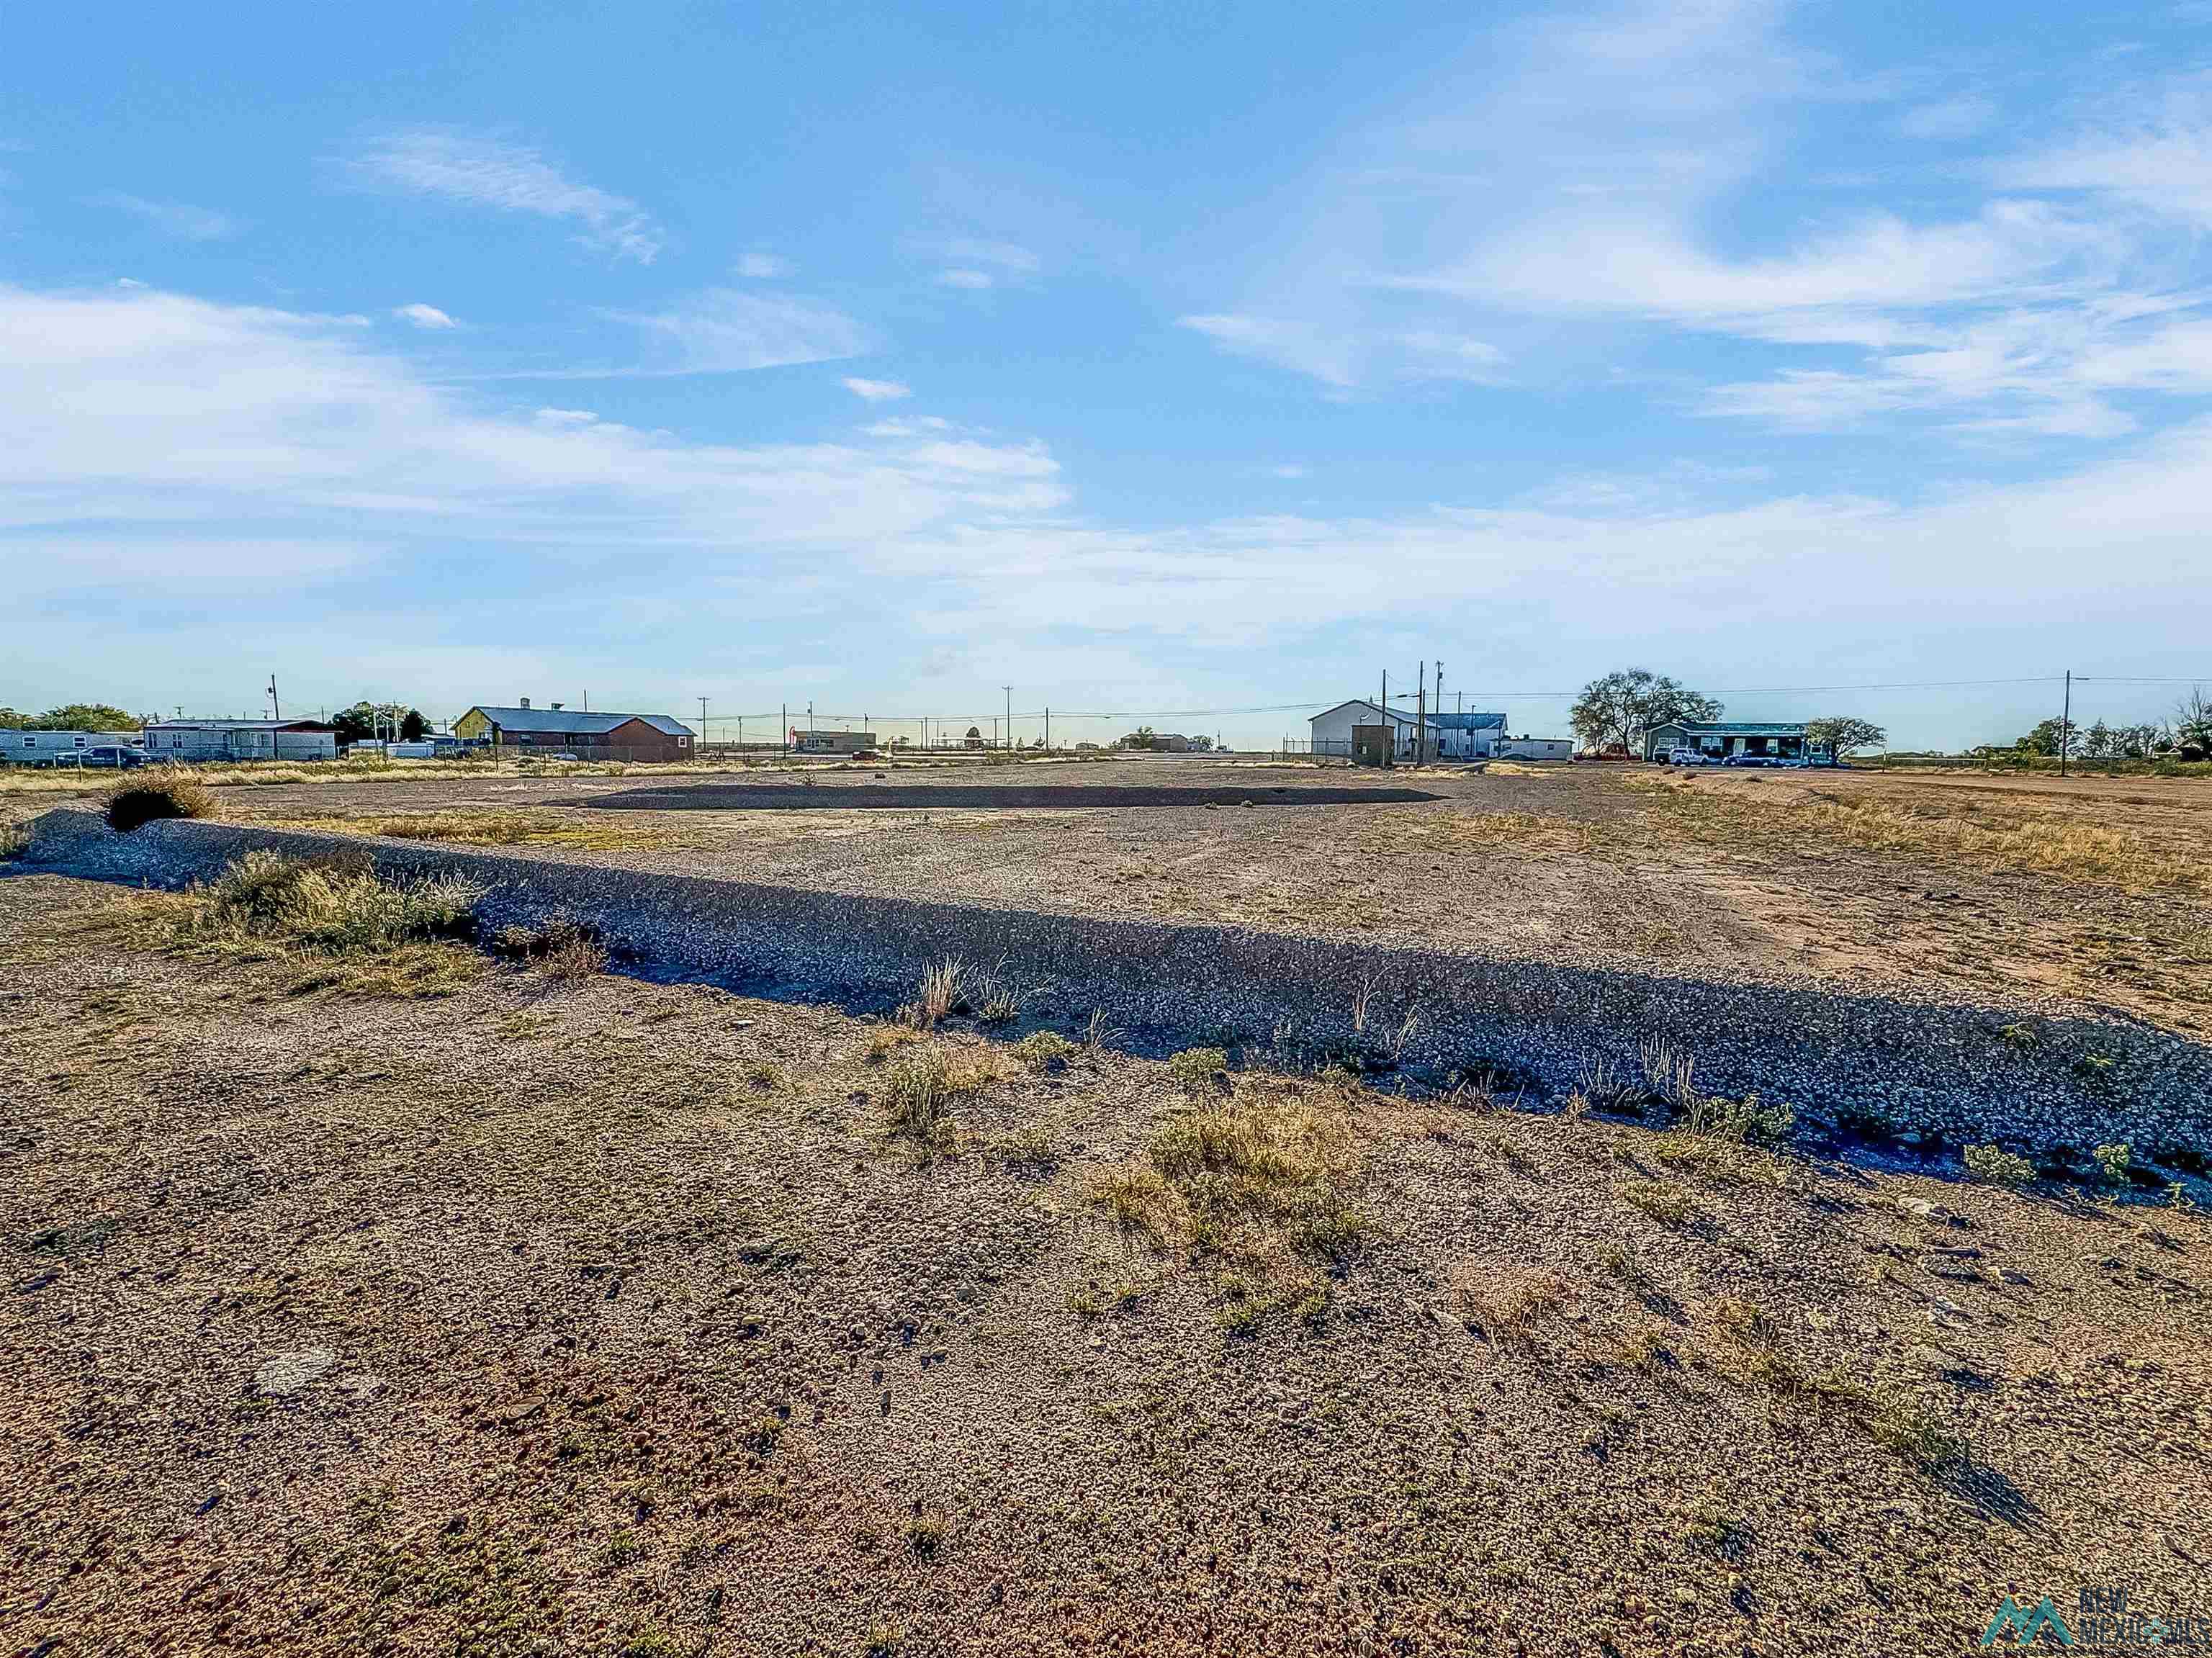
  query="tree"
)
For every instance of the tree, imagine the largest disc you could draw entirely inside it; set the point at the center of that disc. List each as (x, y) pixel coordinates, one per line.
(2048, 736)
(84, 717)
(365, 721)
(2099, 742)
(2192, 725)
(1844, 733)
(1628, 702)
(11, 721)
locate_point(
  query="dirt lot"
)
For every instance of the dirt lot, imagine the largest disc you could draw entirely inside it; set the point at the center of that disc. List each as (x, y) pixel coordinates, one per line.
(589, 1316)
(2025, 888)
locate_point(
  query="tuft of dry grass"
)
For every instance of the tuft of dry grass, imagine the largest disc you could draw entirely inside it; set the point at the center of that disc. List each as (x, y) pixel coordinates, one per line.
(15, 841)
(350, 928)
(612, 832)
(136, 799)
(1512, 1316)
(942, 992)
(561, 948)
(1257, 1178)
(919, 1092)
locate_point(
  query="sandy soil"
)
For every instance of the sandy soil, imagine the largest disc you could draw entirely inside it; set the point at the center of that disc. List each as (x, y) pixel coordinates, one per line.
(603, 1318)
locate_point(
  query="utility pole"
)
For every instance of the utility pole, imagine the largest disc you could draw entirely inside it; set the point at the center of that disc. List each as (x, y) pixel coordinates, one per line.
(1048, 728)
(702, 721)
(785, 727)
(1440, 697)
(1009, 690)
(1421, 716)
(1390, 734)
(275, 711)
(2064, 724)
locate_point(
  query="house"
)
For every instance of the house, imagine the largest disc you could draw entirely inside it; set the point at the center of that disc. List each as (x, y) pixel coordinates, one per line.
(1776, 742)
(38, 747)
(558, 728)
(191, 740)
(813, 742)
(1332, 729)
(587, 736)
(1467, 736)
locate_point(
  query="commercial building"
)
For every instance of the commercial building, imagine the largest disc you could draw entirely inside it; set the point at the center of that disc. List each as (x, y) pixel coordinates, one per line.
(558, 730)
(194, 740)
(1332, 729)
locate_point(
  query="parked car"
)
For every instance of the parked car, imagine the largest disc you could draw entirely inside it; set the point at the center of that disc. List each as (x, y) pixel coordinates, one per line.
(1761, 761)
(1688, 757)
(116, 756)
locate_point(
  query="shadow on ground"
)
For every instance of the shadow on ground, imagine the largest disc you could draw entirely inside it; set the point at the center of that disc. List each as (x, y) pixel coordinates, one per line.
(908, 797)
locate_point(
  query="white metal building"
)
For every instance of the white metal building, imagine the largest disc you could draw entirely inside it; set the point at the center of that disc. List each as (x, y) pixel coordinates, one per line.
(1467, 736)
(240, 739)
(1332, 731)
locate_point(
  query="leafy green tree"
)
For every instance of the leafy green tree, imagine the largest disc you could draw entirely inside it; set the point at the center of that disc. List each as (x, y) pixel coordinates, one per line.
(1622, 706)
(11, 720)
(365, 721)
(2192, 725)
(85, 717)
(1844, 733)
(2048, 737)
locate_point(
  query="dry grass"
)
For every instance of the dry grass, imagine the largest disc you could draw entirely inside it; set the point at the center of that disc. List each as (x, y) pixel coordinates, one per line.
(134, 800)
(1511, 1317)
(1259, 1178)
(2006, 836)
(346, 926)
(561, 948)
(918, 1093)
(612, 832)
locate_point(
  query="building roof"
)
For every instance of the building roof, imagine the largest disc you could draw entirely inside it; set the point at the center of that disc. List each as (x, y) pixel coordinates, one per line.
(1469, 722)
(572, 722)
(238, 725)
(1735, 728)
(1397, 714)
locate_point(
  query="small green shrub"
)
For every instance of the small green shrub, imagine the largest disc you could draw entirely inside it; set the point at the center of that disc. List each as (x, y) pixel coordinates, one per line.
(1200, 1071)
(1044, 1050)
(1744, 1121)
(2112, 1162)
(1994, 1166)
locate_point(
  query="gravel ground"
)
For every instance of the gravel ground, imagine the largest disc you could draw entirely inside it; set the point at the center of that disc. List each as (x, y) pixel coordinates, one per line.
(601, 1317)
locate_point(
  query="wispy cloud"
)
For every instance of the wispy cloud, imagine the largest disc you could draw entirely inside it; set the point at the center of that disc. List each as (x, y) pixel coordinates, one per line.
(974, 263)
(178, 219)
(877, 390)
(488, 172)
(761, 267)
(424, 316)
(724, 330)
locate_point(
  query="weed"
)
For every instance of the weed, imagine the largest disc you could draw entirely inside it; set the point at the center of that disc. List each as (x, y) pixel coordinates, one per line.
(2019, 1036)
(1044, 1050)
(15, 841)
(767, 1077)
(915, 1095)
(888, 1039)
(1511, 1318)
(1740, 1122)
(1200, 1072)
(1993, 1166)
(132, 802)
(943, 992)
(885, 1641)
(561, 947)
(2112, 1162)
(1669, 1071)
(1099, 1034)
(925, 1531)
(1903, 1423)
(1665, 1203)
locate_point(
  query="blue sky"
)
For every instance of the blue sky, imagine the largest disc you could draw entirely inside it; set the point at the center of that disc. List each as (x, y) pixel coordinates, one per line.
(1139, 357)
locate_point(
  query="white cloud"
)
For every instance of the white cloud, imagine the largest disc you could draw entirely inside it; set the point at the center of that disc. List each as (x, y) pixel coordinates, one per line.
(424, 316)
(178, 219)
(1583, 180)
(727, 331)
(488, 172)
(276, 452)
(1949, 120)
(974, 263)
(877, 390)
(763, 267)
(1287, 470)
